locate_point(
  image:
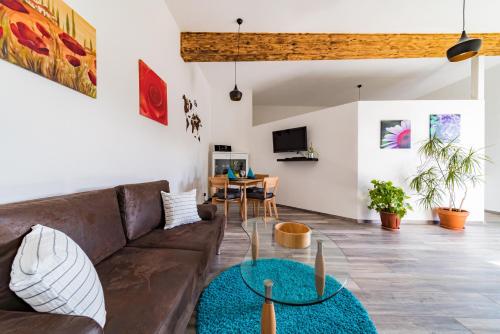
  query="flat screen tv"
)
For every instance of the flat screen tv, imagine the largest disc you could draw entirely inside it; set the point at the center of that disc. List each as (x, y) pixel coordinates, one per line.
(290, 140)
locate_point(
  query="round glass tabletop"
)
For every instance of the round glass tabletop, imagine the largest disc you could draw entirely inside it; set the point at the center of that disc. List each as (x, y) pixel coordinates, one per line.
(310, 274)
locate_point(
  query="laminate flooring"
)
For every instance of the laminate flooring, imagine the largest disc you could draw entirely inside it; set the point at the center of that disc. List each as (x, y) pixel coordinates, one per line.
(421, 279)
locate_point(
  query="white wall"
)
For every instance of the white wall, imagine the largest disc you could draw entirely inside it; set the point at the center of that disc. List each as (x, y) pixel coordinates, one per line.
(399, 165)
(461, 90)
(327, 186)
(231, 120)
(348, 139)
(54, 140)
(266, 113)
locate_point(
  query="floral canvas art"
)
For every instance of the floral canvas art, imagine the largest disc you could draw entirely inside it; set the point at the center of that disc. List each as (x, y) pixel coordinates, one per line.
(445, 127)
(395, 134)
(47, 37)
(152, 95)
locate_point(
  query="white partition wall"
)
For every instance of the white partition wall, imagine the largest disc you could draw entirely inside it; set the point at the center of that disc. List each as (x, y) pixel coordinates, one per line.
(399, 164)
(329, 185)
(461, 89)
(348, 140)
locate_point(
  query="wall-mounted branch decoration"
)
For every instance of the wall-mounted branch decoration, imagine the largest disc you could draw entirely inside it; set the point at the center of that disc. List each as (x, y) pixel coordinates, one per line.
(193, 120)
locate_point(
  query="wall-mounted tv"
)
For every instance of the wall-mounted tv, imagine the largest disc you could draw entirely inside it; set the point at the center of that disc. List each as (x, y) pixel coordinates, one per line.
(290, 140)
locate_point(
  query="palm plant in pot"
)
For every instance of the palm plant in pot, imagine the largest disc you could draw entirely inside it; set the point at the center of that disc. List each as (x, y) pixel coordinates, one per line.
(390, 202)
(448, 171)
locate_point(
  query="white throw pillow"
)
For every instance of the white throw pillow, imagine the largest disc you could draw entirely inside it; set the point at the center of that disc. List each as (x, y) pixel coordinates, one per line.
(52, 274)
(180, 208)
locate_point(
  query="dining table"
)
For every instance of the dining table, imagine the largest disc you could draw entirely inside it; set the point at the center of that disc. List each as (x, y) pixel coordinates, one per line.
(243, 184)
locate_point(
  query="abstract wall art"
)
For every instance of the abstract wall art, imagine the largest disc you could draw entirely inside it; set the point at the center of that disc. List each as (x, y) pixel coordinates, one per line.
(48, 38)
(395, 134)
(193, 120)
(152, 95)
(446, 127)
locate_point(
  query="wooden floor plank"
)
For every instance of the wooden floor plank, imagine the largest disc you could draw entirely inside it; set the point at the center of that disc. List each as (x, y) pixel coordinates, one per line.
(481, 325)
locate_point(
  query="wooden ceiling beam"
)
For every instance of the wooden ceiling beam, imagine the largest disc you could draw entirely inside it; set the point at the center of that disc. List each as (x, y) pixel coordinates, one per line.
(221, 47)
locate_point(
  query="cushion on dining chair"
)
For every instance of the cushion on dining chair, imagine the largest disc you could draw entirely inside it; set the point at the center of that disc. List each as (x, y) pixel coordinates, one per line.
(229, 190)
(253, 189)
(259, 195)
(230, 195)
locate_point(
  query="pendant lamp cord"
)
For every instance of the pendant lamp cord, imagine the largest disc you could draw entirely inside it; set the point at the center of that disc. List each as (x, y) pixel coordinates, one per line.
(463, 17)
(238, 54)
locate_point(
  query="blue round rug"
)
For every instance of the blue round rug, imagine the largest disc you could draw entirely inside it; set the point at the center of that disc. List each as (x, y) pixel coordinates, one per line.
(227, 305)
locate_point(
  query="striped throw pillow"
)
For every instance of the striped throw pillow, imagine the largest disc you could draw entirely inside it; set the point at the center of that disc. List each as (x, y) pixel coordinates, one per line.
(180, 208)
(52, 274)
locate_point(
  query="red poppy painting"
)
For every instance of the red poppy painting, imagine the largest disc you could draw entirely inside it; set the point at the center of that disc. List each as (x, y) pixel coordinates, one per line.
(47, 37)
(152, 95)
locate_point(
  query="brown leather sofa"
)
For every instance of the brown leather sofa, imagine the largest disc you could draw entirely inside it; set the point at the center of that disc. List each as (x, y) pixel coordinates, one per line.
(151, 277)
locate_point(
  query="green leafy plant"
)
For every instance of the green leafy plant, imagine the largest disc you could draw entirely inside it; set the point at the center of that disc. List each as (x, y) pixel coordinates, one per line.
(448, 170)
(385, 197)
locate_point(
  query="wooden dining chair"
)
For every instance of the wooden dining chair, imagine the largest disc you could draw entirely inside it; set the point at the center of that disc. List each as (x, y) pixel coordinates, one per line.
(261, 177)
(221, 193)
(266, 196)
(259, 185)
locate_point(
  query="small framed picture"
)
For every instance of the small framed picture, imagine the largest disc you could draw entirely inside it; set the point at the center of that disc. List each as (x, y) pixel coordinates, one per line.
(395, 134)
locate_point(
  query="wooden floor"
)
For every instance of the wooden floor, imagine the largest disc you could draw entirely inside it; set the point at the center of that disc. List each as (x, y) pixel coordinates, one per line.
(422, 279)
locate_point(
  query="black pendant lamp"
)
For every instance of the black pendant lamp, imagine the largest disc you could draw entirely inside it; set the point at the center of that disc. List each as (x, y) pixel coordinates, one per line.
(466, 47)
(235, 94)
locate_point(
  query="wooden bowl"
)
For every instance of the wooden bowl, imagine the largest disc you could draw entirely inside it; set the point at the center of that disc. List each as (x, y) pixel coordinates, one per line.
(292, 235)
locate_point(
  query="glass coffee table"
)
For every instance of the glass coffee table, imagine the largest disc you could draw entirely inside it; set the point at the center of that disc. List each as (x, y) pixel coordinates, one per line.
(291, 263)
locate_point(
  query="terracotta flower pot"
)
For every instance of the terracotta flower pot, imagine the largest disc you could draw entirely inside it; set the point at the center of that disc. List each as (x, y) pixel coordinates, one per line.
(390, 221)
(453, 220)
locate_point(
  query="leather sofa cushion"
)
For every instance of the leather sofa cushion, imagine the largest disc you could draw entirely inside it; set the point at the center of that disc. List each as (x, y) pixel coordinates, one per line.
(141, 207)
(207, 211)
(204, 236)
(91, 219)
(199, 236)
(147, 290)
(12, 322)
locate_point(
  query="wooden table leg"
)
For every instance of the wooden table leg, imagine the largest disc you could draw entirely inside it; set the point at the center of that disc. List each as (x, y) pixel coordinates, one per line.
(275, 208)
(320, 270)
(245, 202)
(255, 243)
(241, 206)
(268, 317)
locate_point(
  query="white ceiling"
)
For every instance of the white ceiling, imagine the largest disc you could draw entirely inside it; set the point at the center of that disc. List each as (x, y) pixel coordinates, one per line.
(325, 83)
(370, 16)
(328, 83)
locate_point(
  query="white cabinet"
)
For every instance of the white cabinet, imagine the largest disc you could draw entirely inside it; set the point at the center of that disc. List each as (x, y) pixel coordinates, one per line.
(222, 161)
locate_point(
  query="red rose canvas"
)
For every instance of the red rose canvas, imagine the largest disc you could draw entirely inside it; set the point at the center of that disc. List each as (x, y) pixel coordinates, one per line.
(152, 95)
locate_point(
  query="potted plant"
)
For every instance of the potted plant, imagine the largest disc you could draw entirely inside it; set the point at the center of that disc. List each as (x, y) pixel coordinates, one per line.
(390, 202)
(312, 153)
(448, 172)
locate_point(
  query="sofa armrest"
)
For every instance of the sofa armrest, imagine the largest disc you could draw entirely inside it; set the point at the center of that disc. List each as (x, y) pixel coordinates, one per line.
(207, 211)
(34, 322)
